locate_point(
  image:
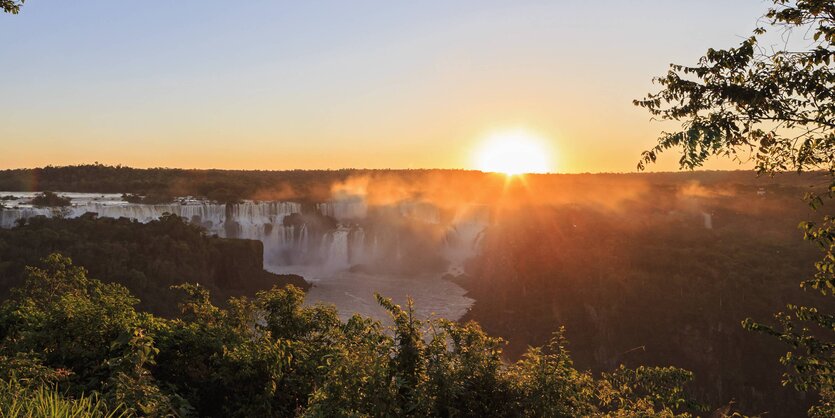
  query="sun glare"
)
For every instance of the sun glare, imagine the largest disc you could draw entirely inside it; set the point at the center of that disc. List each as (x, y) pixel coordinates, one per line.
(512, 153)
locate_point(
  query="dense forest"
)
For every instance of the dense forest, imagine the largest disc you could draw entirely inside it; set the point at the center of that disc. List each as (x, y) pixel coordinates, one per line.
(166, 183)
(273, 356)
(146, 258)
(649, 283)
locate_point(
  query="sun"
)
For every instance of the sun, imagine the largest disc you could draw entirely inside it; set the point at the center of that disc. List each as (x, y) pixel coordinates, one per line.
(512, 153)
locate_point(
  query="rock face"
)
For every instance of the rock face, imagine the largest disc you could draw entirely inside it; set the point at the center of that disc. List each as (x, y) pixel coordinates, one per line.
(242, 260)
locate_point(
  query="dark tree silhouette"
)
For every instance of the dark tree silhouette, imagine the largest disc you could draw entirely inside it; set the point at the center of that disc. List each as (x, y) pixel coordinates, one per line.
(776, 105)
(11, 6)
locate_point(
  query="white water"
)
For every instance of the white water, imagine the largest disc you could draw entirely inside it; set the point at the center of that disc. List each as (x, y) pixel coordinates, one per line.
(708, 219)
(346, 209)
(463, 239)
(323, 259)
(354, 293)
(336, 246)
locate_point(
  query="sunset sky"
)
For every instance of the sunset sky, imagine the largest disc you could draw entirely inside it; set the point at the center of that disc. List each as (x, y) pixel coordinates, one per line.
(362, 84)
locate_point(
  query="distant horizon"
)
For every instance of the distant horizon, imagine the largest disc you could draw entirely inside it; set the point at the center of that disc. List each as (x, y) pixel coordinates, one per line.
(697, 170)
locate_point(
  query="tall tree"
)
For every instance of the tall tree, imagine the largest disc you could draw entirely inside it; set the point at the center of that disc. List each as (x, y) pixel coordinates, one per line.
(774, 104)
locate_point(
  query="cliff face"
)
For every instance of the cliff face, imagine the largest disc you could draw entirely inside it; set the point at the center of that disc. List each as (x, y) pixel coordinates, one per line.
(238, 268)
(238, 260)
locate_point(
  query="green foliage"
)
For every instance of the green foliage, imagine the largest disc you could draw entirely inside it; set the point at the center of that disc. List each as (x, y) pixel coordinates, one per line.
(549, 384)
(11, 6)
(779, 106)
(776, 104)
(82, 329)
(159, 184)
(645, 391)
(274, 356)
(17, 401)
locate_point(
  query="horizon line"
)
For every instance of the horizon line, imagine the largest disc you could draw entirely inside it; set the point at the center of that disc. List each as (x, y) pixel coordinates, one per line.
(98, 164)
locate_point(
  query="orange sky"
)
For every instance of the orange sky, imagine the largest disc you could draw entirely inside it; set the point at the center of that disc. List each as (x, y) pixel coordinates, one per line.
(326, 85)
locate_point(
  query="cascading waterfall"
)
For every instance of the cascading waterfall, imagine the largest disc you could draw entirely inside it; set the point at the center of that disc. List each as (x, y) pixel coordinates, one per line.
(10, 217)
(421, 211)
(344, 247)
(304, 239)
(350, 208)
(335, 249)
(375, 247)
(286, 245)
(204, 213)
(263, 221)
(463, 238)
(708, 220)
(356, 248)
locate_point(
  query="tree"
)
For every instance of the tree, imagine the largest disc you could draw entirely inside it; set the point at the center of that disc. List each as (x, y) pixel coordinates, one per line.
(50, 199)
(776, 105)
(11, 6)
(80, 333)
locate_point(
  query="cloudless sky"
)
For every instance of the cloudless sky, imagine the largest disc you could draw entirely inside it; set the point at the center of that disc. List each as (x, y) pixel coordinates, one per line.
(332, 84)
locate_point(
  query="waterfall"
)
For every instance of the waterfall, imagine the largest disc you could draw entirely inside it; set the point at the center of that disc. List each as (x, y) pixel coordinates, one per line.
(708, 220)
(9, 217)
(304, 240)
(421, 211)
(464, 236)
(263, 221)
(357, 253)
(344, 247)
(390, 235)
(343, 209)
(335, 249)
(210, 214)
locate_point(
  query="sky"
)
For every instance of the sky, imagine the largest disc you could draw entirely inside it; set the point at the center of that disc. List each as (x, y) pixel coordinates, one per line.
(344, 84)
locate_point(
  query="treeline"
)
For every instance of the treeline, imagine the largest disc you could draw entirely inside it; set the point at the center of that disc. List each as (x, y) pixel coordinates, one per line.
(272, 356)
(165, 183)
(162, 184)
(442, 187)
(649, 283)
(146, 258)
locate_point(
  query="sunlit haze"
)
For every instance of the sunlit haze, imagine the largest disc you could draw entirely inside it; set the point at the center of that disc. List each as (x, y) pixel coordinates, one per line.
(282, 85)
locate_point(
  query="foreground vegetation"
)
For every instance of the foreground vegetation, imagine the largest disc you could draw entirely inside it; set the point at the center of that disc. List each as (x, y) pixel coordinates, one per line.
(773, 104)
(273, 356)
(31, 401)
(146, 258)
